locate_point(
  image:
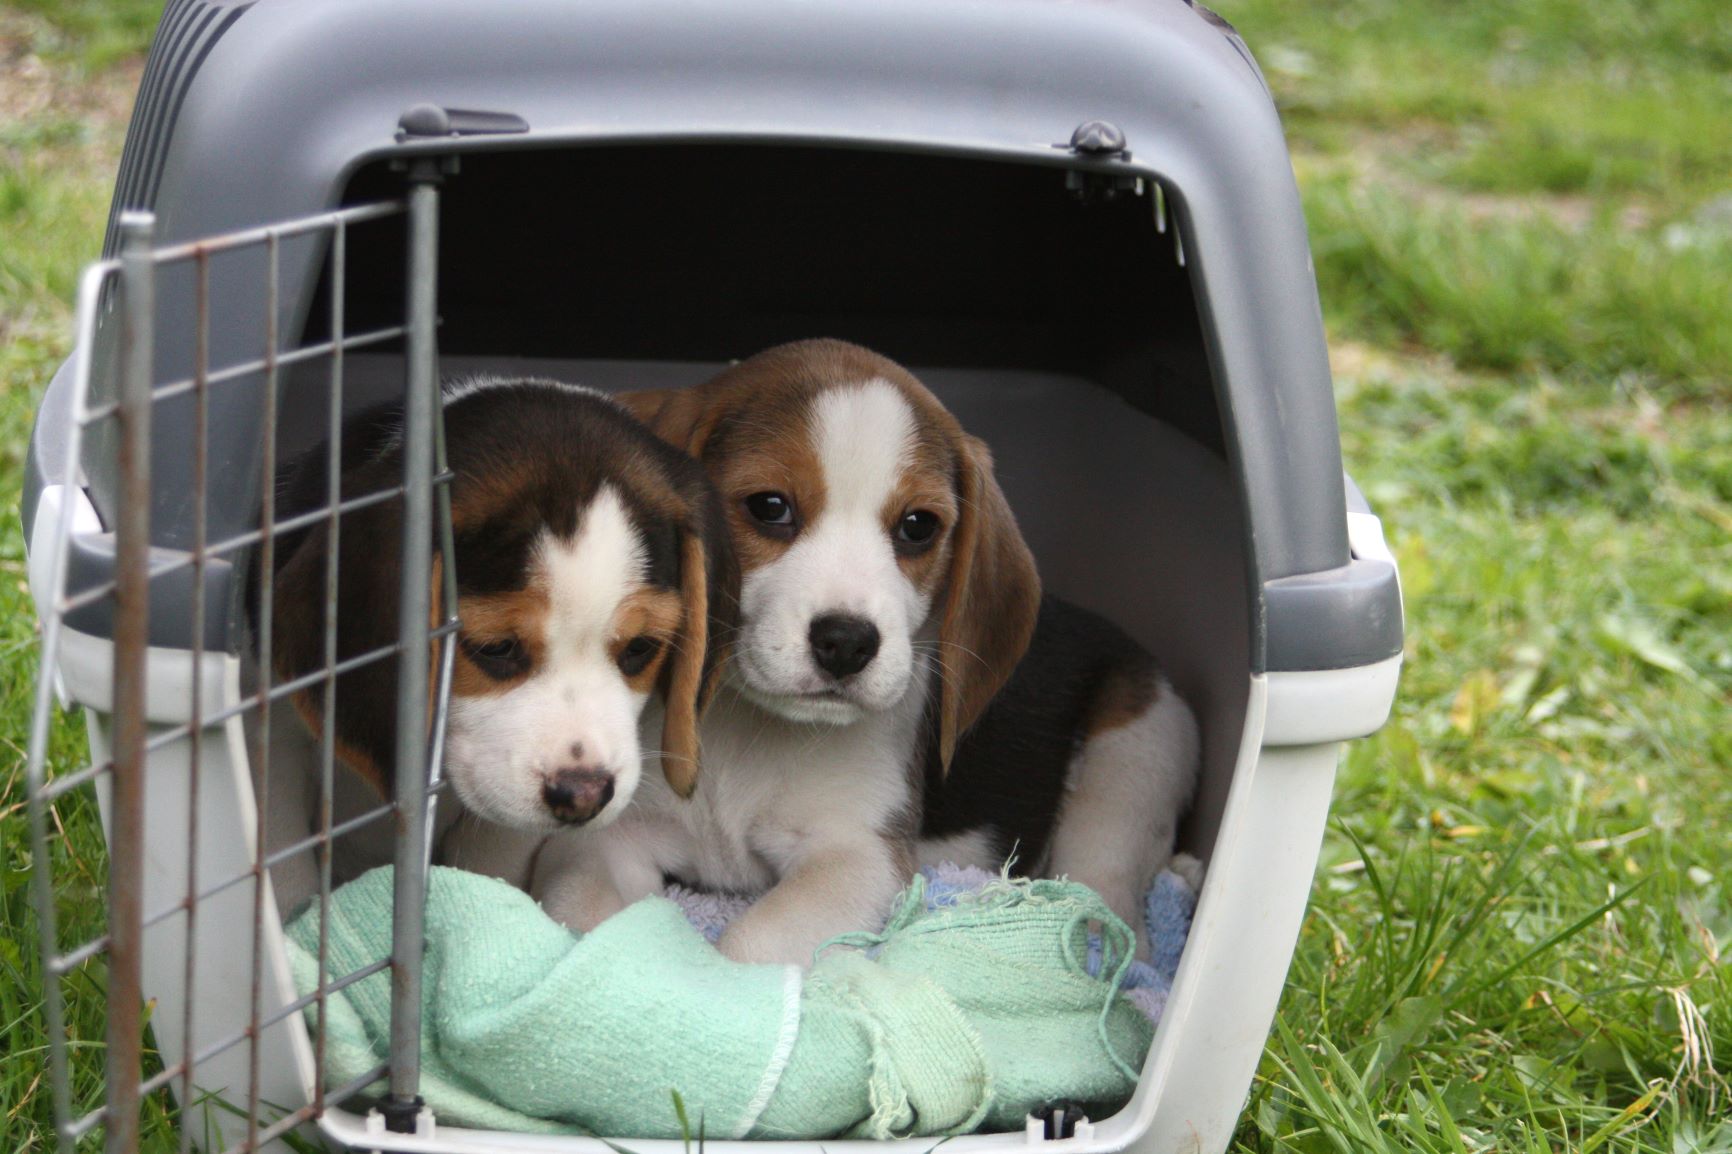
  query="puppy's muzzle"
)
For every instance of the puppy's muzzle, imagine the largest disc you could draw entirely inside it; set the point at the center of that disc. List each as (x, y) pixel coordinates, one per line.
(842, 645)
(574, 796)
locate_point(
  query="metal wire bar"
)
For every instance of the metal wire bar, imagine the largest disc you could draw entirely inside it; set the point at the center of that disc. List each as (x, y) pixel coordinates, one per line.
(278, 692)
(447, 652)
(420, 409)
(277, 856)
(347, 826)
(328, 732)
(269, 234)
(334, 986)
(90, 595)
(448, 602)
(341, 1094)
(68, 782)
(195, 704)
(339, 830)
(131, 638)
(40, 806)
(52, 790)
(67, 962)
(287, 359)
(184, 560)
(162, 1078)
(425, 480)
(72, 1131)
(257, 1026)
(354, 1086)
(299, 521)
(90, 287)
(248, 368)
(267, 582)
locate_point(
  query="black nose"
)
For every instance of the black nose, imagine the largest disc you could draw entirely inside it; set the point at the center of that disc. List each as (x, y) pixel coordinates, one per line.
(574, 796)
(841, 644)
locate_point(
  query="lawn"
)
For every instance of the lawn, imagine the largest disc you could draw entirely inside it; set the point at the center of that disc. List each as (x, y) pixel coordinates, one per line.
(1521, 213)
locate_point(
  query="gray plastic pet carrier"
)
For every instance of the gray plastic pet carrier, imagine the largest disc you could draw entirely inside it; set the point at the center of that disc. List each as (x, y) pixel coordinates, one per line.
(1077, 222)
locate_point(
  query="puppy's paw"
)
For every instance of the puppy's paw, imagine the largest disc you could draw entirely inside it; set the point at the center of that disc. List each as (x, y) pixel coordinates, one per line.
(577, 911)
(760, 939)
(1188, 868)
(578, 900)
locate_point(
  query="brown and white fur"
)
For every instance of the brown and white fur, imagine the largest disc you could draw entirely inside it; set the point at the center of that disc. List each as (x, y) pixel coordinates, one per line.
(887, 599)
(591, 566)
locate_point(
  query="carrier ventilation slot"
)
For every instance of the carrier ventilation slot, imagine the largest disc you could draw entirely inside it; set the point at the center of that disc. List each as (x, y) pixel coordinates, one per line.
(189, 29)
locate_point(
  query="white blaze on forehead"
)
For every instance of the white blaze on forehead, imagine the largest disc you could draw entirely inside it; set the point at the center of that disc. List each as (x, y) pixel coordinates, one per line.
(589, 575)
(576, 708)
(865, 436)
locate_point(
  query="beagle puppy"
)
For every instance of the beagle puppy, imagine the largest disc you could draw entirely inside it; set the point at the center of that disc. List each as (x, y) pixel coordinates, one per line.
(876, 710)
(592, 568)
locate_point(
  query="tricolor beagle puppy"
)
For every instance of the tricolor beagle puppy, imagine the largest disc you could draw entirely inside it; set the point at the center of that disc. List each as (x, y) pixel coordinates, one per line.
(876, 708)
(592, 566)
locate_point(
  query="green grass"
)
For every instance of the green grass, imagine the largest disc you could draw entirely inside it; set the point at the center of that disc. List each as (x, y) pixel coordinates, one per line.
(1518, 936)
(1520, 932)
(1521, 95)
(1526, 293)
(90, 35)
(1527, 882)
(56, 172)
(1435, 136)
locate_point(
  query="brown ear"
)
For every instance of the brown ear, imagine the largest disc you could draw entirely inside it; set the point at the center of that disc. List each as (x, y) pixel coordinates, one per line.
(991, 604)
(686, 691)
(646, 403)
(681, 417)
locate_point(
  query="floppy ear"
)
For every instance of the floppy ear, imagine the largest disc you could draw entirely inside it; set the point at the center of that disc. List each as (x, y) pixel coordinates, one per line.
(645, 404)
(681, 417)
(992, 600)
(367, 598)
(707, 578)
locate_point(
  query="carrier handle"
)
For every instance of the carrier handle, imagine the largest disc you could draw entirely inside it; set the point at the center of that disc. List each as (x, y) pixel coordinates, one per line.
(1340, 618)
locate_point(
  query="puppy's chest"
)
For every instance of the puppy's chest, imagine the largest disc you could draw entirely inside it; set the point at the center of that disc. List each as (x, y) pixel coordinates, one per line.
(769, 793)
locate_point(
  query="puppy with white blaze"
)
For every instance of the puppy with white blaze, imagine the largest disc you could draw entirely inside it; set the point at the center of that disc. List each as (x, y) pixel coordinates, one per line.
(592, 565)
(880, 704)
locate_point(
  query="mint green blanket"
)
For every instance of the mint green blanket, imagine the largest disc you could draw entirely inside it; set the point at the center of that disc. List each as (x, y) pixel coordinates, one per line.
(952, 1019)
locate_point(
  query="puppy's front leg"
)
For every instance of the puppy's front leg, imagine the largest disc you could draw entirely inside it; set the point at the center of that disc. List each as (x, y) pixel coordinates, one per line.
(835, 888)
(582, 878)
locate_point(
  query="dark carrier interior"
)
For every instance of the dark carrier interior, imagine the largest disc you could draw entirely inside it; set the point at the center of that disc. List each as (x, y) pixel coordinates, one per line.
(1058, 323)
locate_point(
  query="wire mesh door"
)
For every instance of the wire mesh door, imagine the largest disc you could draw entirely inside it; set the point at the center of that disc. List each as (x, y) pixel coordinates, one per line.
(152, 567)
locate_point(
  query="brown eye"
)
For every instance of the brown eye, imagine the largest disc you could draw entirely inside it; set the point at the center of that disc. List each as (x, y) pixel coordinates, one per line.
(500, 658)
(914, 533)
(637, 654)
(773, 512)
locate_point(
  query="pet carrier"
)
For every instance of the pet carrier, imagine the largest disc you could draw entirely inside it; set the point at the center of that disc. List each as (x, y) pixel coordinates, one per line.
(1077, 222)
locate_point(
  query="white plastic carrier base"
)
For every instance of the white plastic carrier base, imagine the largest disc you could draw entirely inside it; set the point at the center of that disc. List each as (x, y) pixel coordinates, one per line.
(1271, 746)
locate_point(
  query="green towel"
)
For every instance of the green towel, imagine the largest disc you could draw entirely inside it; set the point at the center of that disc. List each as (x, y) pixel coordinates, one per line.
(951, 1019)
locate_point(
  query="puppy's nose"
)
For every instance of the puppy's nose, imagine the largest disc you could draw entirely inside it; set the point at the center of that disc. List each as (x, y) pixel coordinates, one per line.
(842, 644)
(575, 795)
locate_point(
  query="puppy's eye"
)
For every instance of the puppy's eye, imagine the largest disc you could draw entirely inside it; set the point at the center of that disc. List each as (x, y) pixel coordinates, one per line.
(499, 658)
(916, 530)
(774, 512)
(637, 654)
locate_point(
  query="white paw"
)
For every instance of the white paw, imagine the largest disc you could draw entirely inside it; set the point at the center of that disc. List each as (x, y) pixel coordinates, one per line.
(578, 901)
(761, 940)
(1190, 869)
